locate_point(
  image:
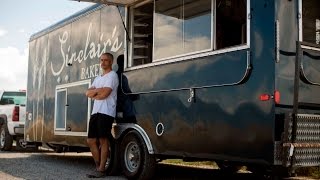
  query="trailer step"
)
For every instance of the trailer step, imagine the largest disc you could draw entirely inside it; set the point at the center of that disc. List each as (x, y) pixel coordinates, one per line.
(305, 149)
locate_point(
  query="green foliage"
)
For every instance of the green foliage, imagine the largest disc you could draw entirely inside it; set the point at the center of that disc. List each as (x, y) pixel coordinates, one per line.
(313, 172)
(180, 162)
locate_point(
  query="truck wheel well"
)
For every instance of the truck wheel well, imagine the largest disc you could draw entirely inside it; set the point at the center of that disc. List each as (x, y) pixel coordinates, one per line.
(3, 120)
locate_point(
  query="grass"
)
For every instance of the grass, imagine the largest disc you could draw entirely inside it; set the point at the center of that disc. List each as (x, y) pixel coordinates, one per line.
(197, 164)
(313, 172)
(202, 164)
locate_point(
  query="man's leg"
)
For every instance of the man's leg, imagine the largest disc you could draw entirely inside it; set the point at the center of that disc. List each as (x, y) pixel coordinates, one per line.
(92, 142)
(104, 144)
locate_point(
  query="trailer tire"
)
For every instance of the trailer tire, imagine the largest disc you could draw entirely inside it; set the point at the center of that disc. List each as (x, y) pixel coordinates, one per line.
(136, 161)
(6, 139)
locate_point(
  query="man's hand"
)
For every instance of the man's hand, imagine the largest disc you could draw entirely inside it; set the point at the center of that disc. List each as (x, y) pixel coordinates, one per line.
(102, 93)
(98, 93)
(91, 92)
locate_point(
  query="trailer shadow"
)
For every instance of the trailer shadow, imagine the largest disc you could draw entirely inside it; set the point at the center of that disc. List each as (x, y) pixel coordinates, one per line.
(170, 172)
(45, 164)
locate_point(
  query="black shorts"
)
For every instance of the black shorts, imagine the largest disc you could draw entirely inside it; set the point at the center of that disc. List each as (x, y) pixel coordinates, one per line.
(100, 126)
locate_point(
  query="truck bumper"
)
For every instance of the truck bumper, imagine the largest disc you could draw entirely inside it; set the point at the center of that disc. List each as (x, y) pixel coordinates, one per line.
(16, 128)
(19, 130)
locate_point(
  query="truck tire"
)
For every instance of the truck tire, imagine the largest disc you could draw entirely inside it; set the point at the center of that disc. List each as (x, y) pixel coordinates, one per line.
(6, 139)
(135, 159)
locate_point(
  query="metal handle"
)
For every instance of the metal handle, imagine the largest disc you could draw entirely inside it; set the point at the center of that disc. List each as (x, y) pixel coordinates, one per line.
(192, 95)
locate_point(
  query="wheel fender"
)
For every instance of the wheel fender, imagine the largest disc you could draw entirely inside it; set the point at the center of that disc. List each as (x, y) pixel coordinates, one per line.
(119, 130)
(3, 119)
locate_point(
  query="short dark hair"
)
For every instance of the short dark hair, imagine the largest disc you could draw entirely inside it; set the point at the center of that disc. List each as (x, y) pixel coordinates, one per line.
(108, 54)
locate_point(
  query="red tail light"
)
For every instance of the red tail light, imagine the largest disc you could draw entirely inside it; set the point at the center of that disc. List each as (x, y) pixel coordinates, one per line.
(277, 97)
(15, 113)
(264, 97)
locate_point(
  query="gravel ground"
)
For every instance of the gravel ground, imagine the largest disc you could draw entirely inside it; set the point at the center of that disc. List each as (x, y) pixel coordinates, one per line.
(46, 164)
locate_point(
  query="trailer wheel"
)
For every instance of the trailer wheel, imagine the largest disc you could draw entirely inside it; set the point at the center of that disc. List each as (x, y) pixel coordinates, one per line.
(6, 139)
(136, 161)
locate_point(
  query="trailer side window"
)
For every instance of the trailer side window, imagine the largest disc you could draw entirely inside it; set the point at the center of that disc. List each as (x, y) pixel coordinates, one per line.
(141, 33)
(311, 21)
(184, 28)
(230, 23)
(181, 27)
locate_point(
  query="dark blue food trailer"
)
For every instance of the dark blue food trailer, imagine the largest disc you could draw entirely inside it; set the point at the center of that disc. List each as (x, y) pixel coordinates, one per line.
(232, 81)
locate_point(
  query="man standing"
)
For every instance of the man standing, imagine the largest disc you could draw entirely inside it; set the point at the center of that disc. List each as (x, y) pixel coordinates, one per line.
(104, 92)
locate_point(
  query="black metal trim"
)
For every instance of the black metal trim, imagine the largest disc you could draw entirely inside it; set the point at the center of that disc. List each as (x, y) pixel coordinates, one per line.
(301, 105)
(303, 76)
(295, 97)
(243, 79)
(309, 44)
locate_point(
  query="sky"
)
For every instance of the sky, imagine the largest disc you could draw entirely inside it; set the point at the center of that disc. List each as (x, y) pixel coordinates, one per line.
(18, 21)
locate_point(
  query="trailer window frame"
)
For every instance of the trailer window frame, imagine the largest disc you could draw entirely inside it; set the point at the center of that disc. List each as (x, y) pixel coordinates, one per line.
(183, 37)
(188, 56)
(60, 90)
(300, 25)
(64, 87)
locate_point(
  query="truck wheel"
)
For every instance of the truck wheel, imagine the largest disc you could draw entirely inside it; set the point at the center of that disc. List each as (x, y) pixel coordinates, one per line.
(6, 139)
(136, 161)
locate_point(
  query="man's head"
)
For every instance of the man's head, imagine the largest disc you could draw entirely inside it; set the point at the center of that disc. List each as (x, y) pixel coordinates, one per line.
(106, 61)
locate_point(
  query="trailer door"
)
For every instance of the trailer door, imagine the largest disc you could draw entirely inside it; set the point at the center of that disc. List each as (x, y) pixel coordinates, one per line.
(302, 127)
(72, 109)
(309, 35)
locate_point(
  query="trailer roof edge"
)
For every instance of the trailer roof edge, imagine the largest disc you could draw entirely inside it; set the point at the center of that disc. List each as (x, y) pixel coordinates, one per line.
(68, 20)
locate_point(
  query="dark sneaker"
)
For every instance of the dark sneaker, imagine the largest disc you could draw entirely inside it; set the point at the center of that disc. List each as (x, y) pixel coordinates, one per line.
(96, 174)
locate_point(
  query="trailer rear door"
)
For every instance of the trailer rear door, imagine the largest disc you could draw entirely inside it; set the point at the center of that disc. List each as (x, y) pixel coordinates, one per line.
(309, 34)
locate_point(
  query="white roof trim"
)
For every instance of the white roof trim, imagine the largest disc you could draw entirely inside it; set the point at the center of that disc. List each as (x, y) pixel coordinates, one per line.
(112, 2)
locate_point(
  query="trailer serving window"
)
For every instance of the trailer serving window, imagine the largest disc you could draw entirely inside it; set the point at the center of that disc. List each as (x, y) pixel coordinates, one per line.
(162, 31)
(182, 27)
(310, 21)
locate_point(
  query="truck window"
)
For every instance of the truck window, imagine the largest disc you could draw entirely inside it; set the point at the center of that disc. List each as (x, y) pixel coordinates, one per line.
(311, 21)
(160, 30)
(17, 98)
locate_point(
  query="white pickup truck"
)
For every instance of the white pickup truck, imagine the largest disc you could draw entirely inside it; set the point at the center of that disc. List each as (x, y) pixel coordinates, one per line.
(12, 118)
